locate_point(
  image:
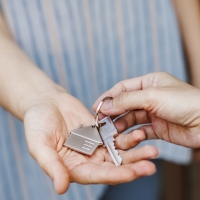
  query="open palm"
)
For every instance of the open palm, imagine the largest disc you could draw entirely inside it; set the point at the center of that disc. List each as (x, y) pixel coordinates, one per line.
(47, 126)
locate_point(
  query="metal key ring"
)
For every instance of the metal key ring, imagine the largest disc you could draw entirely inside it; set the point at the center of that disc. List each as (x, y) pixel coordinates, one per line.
(98, 110)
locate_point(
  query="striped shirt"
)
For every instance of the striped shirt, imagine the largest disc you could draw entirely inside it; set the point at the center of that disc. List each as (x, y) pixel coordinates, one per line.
(86, 46)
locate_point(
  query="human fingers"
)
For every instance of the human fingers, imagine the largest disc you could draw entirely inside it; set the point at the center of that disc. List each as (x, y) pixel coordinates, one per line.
(122, 86)
(101, 116)
(45, 134)
(130, 140)
(158, 79)
(52, 165)
(131, 119)
(137, 154)
(127, 101)
(160, 129)
(134, 137)
(108, 173)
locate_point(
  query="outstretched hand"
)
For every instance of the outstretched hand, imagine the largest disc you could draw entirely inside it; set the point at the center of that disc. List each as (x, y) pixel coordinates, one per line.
(170, 105)
(47, 126)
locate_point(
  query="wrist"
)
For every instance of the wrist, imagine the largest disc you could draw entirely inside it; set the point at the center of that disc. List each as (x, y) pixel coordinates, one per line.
(43, 95)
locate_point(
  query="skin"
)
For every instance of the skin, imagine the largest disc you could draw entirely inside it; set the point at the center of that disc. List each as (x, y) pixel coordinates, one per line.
(188, 14)
(170, 105)
(49, 113)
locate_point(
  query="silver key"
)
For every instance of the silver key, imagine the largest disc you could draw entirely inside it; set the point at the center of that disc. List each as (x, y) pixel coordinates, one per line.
(84, 140)
(108, 131)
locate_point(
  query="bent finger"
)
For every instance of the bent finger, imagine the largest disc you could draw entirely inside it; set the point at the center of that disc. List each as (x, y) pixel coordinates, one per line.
(130, 140)
(108, 173)
(127, 101)
(123, 86)
(131, 119)
(137, 154)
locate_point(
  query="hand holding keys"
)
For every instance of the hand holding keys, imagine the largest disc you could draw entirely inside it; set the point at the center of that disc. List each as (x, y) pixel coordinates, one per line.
(87, 139)
(63, 165)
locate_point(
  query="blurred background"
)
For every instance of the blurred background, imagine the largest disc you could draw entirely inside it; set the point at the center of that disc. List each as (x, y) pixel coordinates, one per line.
(181, 182)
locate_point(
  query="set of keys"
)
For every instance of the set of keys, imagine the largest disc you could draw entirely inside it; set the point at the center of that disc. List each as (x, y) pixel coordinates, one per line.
(87, 139)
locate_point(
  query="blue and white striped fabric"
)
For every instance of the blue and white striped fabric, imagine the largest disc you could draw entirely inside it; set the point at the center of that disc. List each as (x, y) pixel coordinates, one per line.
(86, 46)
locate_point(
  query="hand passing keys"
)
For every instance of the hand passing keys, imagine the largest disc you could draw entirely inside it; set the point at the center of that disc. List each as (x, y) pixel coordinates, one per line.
(86, 139)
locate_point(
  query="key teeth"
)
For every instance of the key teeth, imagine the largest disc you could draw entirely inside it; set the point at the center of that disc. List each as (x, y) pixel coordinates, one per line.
(116, 152)
(120, 160)
(118, 156)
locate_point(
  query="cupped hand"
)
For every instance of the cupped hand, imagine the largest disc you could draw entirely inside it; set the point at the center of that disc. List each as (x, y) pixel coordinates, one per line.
(170, 105)
(47, 126)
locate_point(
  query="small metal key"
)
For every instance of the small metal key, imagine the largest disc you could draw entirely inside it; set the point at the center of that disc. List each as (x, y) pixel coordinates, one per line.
(108, 131)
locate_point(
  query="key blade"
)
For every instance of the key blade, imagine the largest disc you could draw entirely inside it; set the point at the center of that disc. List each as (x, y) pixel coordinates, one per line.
(117, 159)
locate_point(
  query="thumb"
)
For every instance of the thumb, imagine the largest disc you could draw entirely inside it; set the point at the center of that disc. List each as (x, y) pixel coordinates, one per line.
(126, 101)
(52, 164)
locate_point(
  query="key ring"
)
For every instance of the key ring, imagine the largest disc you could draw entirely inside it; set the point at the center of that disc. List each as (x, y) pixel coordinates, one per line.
(98, 111)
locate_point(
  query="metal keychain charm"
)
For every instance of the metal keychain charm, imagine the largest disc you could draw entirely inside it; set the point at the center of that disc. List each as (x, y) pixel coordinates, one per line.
(84, 139)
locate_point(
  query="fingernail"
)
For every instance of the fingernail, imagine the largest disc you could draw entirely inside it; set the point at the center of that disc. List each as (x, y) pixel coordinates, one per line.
(107, 105)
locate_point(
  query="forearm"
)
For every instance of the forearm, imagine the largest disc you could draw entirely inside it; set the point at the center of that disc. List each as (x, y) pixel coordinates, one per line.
(21, 82)
(188, 13)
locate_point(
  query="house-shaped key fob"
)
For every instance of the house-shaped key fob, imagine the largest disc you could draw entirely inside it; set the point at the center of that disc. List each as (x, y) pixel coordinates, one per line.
(84, 140)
